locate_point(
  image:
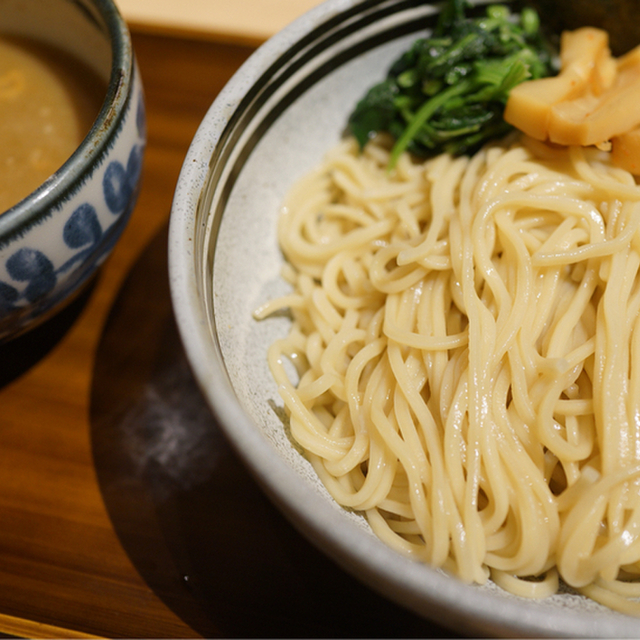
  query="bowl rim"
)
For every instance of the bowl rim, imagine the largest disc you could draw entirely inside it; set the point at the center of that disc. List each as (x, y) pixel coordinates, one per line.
(369, 559)
(46, 198)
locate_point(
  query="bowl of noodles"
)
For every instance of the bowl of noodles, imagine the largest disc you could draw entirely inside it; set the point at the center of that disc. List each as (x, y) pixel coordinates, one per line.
(431, 370)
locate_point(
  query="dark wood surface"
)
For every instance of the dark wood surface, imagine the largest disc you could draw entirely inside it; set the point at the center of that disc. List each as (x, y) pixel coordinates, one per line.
(123, 512)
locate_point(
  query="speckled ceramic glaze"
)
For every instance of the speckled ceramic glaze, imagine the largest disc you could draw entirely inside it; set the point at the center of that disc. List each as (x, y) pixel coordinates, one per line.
(273, 122)
(54, 240)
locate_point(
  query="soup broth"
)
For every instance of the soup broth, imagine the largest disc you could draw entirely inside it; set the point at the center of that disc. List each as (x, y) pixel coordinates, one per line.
(48, 103)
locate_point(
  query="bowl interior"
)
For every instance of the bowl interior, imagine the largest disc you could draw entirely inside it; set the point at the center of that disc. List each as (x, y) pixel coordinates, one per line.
(77, 28)
(273, 123)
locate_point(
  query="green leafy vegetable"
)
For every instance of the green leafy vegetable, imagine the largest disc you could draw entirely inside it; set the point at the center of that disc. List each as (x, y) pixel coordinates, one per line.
(448, 91)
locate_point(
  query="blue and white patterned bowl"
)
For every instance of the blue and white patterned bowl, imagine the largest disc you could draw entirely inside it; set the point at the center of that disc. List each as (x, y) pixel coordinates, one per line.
(54, 240)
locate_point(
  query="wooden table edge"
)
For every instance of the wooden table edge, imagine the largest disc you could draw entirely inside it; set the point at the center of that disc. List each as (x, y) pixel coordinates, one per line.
(22, 628)
(192, 32)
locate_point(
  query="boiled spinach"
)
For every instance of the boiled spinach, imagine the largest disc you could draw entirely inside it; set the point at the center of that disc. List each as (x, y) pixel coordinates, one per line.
(447, 92)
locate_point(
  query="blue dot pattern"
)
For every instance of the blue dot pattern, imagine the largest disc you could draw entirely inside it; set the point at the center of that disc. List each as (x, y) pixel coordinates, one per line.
(33, 267)
(33, 275)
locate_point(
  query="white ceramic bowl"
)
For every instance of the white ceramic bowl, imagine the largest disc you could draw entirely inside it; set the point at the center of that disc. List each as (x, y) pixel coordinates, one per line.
(273, 122)
(53, 241)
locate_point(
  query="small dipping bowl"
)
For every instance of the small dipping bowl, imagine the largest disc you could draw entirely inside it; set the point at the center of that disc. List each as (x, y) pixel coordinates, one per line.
(54, 239)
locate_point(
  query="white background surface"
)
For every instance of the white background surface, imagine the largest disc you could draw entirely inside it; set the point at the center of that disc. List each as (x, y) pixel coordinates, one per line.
(247, 21)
